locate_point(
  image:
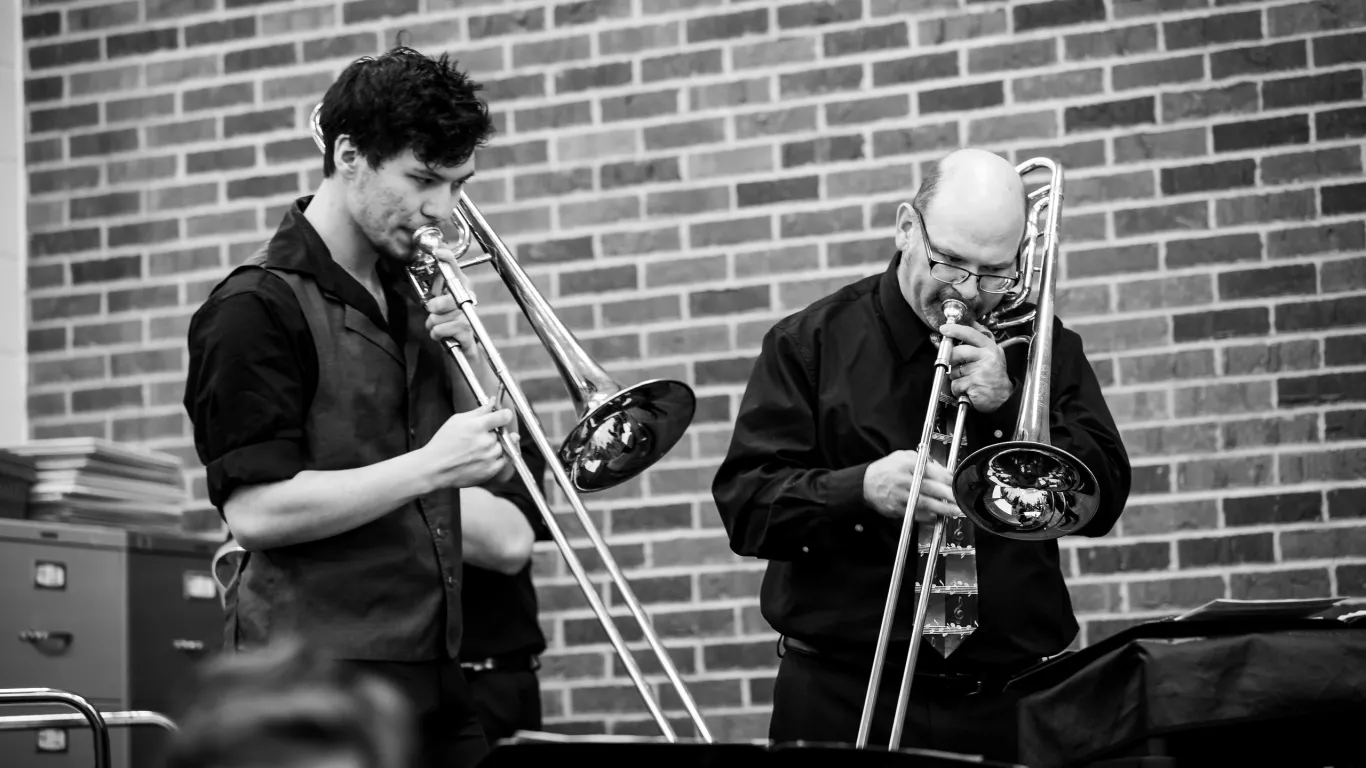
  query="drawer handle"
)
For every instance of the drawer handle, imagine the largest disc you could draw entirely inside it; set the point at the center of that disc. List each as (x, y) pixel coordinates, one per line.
(189, 646)
(45, 641)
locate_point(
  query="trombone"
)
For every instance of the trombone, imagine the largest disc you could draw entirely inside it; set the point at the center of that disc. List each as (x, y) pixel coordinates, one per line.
(1025, 488)
(620, 431)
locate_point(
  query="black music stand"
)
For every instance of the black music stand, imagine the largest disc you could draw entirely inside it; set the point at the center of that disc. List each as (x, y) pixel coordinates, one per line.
(1272, 683)
(532, 750)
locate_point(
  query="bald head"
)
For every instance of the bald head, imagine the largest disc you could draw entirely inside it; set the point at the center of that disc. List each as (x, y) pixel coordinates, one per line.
(971, 215)
(978, 190)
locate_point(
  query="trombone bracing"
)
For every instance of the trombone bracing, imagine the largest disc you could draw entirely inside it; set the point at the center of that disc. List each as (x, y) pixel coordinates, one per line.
(1022, 489)
(620, 431)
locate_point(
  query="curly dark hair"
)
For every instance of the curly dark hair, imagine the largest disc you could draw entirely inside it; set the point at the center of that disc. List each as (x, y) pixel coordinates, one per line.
(287, 705)
(404, 100)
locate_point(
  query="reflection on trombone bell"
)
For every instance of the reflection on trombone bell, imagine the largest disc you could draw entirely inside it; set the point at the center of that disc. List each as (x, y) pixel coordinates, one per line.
(1024, 489)
(620, 431)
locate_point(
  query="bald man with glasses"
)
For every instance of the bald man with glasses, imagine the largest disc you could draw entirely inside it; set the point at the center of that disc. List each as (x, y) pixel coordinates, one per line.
(819, 469)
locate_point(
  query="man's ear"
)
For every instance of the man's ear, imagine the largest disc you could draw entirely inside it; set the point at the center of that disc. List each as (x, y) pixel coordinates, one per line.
(905, 225)
(345, 155)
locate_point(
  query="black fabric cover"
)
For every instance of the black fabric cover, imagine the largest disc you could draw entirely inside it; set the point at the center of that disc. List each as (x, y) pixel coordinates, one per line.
(602, 751)
(1152, 687)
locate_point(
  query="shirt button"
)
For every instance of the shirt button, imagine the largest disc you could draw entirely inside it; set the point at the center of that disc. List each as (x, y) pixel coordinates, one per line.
(805, 549)
(440, 531)
(450, 580)
(858, 527)
(997, 433)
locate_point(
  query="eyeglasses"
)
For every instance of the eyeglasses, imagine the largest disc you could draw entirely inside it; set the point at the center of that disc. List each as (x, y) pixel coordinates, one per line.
(952, 274)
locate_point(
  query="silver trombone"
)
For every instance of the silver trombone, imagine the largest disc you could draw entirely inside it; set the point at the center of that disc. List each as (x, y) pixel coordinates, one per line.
(1022, 489)
(620, 431)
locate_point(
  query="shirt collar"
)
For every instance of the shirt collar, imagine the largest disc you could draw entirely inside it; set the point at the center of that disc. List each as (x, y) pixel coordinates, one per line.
(907, 330)
(297, 247)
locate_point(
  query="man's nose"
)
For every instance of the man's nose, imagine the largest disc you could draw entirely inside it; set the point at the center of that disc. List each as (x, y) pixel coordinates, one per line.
(437, 208)
(968, 288)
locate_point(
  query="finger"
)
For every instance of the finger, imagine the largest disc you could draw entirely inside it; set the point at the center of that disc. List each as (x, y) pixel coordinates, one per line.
(960, 387)
(938, 507)
(937, 473)
(937, 489)
(964, 353)
(965, 334)
(445, 254)
(441, 304)
(499, 418)
(452, 330)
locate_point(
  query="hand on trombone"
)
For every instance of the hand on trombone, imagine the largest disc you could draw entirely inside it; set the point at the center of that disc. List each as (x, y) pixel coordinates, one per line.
(887, 488)
(445, 320)
(466, 451)
(978, 366)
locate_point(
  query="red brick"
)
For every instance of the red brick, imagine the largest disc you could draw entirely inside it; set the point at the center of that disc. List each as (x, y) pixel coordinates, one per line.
(1277, 508)
(680, 65)
(1171, 440)
(1344, 464)
(1128, 558)
(1124, 41)
(1172, 217)
(1080, 82)
(1279, 585)
(786, 50)
(1315, 315)
(685, 271)
(1346, 503)
(815, 82)
(966, 26)
(791, 120)
(1226, 550)
(821, 12)
(1272, 132)
(1169, 594)
(1170, 516)
(1277, 206)
(1303, 428)
(636, 39)
(1259, 59)
(1195, 104)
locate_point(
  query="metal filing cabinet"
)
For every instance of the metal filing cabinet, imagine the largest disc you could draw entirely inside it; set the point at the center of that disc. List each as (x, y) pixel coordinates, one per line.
(116, 616)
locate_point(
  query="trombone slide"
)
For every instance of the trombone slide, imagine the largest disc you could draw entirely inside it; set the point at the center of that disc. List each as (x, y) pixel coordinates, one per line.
(954, 311)
(531, 426)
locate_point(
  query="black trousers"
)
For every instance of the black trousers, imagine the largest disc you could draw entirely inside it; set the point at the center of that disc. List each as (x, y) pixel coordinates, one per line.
(448, 724)
(506, 702)
(819, 698)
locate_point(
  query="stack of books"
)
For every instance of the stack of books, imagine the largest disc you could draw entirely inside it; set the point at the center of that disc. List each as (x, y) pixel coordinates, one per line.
(17, 477)
(92, 481)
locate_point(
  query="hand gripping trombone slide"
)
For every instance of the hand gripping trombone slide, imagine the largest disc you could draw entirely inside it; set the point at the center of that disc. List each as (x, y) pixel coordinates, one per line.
(1022, 489)
(620, 431)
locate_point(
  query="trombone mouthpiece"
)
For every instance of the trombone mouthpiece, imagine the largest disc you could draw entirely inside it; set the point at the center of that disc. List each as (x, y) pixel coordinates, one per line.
(429, 239)
(954, 311)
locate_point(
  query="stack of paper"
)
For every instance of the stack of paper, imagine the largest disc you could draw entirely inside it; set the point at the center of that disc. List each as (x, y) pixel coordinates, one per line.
(86, 480)
(16, 479)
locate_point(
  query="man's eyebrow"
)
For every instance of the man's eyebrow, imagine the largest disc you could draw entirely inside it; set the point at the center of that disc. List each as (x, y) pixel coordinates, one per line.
(465, 178)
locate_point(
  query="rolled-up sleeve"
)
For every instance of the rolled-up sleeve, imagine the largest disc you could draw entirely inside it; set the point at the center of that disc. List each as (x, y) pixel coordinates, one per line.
(248, 384)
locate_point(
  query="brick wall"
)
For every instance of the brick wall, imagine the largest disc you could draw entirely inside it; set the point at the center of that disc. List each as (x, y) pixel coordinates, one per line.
(678, 174)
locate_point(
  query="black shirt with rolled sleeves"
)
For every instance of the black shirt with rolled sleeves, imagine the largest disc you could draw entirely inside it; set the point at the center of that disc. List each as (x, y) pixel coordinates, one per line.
(843, 383)
(294, 367)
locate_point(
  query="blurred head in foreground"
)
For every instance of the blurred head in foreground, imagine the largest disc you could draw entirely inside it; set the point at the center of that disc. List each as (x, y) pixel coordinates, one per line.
(288, 706)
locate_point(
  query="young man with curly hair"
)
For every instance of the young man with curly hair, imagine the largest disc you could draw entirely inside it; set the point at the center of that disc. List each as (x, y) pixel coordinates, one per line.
(336, 431)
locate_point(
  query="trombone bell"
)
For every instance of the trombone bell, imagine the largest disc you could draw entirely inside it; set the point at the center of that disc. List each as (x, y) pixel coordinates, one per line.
(1026, 490)
(625, 433)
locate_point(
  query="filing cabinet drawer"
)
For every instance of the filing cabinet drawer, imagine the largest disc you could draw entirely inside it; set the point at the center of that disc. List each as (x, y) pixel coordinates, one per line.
(62, 747)
(64, 620)
(175, 623)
